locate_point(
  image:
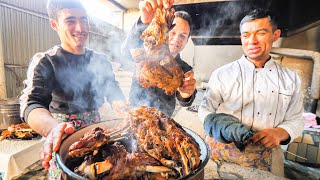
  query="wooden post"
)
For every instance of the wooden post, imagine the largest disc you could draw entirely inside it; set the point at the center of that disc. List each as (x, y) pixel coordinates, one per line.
(3, 87)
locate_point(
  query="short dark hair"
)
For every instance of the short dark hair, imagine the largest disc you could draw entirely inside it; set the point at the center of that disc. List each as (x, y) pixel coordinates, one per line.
(54, 6)
(186, 16)
(258, 14)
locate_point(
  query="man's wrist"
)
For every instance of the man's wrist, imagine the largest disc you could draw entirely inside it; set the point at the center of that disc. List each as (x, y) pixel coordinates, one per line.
(284, 136)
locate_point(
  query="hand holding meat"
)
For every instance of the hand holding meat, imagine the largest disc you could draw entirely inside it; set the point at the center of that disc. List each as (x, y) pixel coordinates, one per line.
(149, 7)
(53, 141)
(156, 67)
(188, 85)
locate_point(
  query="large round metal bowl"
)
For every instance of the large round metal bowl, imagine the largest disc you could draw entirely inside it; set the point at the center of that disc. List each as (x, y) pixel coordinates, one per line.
(62, 154)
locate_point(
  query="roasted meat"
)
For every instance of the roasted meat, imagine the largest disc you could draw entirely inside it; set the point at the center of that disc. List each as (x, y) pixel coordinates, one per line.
(119, 164)
(19, 131)
(91, 141)
(165, 140)
(157, 32)
(161, 149)
(94, 139)
(156, 67)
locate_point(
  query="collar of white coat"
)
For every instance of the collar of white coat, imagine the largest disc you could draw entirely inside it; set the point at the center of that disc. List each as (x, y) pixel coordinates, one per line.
(268, 65)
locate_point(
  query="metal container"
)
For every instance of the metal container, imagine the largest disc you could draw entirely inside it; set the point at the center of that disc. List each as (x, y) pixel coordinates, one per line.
(9, 112)
(62, 154)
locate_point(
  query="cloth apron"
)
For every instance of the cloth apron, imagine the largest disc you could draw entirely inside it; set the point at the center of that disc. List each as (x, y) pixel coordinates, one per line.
(253, 156)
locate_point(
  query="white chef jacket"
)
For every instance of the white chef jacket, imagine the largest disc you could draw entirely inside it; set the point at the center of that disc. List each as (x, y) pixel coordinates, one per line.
(260, 98)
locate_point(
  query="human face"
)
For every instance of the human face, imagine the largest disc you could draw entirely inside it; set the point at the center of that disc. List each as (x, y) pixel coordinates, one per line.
(178, 36)
(257, 38)
(72, 27)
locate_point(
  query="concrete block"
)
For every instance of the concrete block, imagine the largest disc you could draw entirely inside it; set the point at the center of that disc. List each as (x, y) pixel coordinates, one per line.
(318, 157)
(293, 147)
(298, 139)
(312, 152)
(316, 138)
(307, 139)
(302, 151)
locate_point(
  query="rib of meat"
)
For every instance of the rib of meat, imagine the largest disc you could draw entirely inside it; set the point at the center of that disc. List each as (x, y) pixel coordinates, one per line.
(94, 139)
(91, 141)
(119, 164)
(165, 140)
(155, 65)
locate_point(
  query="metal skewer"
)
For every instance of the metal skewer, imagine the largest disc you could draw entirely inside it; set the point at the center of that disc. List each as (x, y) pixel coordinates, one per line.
(295, 155)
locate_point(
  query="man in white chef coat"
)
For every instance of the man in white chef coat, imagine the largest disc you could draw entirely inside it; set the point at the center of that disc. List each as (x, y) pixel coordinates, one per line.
(253, 105)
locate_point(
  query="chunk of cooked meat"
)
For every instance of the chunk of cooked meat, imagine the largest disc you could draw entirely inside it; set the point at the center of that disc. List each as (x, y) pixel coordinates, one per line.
(157, 31)
(95, 138)
(91, 141)
(119, 164)
(19, 131)
(156, 67)
(165, 140)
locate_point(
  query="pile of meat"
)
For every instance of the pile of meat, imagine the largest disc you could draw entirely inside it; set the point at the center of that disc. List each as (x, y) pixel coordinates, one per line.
(155, 65)
(19, 131)
(161, 150)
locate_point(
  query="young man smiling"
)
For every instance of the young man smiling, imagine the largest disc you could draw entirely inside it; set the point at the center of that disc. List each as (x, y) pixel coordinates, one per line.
(67, 84)
(254, 104)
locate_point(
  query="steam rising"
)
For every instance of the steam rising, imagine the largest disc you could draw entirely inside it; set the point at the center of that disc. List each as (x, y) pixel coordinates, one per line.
(222, 21)
(218, 23)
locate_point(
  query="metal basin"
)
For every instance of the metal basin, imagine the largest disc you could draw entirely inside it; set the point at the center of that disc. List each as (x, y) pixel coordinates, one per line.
(62, 154)
(9, 112)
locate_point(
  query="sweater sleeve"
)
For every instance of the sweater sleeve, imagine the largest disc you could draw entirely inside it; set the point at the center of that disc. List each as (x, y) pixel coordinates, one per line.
(104, 78)
(38, 85)
(186, 101)
(133, 40)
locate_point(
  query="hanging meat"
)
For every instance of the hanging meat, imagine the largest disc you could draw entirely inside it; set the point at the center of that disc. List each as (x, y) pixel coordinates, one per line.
(156, 67)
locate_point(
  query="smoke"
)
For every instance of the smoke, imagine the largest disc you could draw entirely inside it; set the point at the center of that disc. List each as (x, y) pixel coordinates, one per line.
(223, 21)
(220, 20)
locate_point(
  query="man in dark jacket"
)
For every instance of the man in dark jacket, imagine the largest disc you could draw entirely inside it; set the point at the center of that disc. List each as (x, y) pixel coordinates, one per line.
(178, 38)
(67, 84)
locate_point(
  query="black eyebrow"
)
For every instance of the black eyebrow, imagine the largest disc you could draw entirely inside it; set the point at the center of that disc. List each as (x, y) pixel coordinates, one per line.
(70, 18)
(73, 18)
(84, 18)
(262, 29)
